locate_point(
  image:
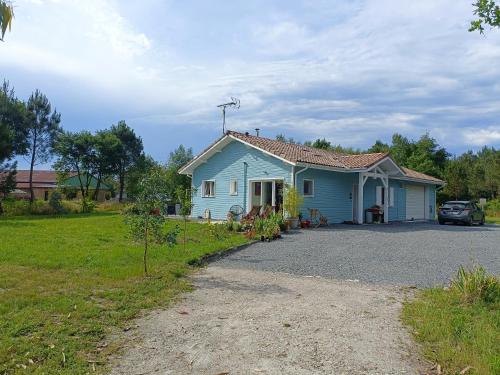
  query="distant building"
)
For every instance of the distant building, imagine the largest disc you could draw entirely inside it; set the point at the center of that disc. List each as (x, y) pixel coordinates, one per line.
(45, 182)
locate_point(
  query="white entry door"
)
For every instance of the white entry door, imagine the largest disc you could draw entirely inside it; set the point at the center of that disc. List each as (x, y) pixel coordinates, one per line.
(415, 202)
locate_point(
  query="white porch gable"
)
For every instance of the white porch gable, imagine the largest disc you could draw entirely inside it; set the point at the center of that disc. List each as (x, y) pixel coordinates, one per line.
(381, 170)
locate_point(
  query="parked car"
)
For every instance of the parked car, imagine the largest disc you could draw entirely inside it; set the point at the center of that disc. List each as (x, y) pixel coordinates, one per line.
(465, 212)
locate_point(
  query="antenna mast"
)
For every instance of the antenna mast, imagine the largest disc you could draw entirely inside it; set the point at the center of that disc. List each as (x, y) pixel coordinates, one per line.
(234, 103)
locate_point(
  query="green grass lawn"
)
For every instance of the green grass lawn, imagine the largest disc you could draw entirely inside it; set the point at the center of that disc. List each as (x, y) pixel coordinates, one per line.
(456, 335)
(493, 219)
(68, 282)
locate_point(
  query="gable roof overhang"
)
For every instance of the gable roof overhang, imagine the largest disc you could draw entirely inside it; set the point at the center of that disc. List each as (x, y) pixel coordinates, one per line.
(382, 162)
(217, 147)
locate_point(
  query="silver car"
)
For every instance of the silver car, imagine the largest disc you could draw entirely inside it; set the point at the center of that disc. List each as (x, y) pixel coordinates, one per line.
(465, 212)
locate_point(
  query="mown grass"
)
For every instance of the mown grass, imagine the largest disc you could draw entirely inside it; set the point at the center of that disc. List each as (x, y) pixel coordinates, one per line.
(67, 283)
(455, 334)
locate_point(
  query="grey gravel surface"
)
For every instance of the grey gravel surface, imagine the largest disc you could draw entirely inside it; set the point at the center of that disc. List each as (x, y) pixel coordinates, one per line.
(253, 322)
(417, 254)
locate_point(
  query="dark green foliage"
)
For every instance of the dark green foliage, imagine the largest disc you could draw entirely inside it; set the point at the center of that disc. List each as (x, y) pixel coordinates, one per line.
(176, 160)
(129, 154)
(488, 13)
(144, 165)
(55, 202)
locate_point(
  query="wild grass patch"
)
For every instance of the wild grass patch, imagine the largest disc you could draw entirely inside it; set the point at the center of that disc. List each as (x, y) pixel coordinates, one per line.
(459, 326)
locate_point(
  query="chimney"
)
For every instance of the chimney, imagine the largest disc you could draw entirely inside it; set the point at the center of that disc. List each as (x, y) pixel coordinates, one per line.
(257, 131)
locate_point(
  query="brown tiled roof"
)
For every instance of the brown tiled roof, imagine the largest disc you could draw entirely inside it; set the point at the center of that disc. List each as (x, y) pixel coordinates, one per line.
(303, 154)
(38, 176)
(421, 176)
(41, 179)
(295, 153)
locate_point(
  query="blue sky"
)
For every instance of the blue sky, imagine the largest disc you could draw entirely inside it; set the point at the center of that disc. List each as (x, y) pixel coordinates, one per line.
(349, 71)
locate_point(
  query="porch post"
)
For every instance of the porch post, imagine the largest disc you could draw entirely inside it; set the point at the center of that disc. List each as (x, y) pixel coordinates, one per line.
(361, 183)
(273, 195)
(385, 180)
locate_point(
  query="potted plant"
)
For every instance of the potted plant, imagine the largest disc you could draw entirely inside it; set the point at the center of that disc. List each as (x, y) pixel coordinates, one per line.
(292, 201)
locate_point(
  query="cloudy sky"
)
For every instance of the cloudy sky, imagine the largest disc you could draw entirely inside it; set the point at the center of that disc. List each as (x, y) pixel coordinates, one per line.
(349, 71)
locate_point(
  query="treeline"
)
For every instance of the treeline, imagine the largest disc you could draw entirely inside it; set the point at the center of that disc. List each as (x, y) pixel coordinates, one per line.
(113, 156)
(472, 175)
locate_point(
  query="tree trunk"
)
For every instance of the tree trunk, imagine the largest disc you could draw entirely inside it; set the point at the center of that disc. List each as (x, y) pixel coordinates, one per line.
(32, 164)
(122, 184)
(97, 187)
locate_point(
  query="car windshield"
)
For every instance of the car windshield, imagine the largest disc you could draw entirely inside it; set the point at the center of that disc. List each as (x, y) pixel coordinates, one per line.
(454, 205)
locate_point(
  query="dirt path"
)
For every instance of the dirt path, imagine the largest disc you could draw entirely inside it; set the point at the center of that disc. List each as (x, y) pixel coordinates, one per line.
(254, 322)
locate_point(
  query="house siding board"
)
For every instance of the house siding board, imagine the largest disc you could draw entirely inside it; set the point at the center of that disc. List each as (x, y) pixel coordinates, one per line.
(332, 194)
(229, 164)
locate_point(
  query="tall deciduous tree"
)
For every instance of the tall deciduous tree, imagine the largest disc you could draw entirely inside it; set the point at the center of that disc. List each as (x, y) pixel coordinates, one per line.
(6, 17)
(131, 151)
(76, 153)
(488, 13)
(176, 160)
(108, 150)
(43, 129)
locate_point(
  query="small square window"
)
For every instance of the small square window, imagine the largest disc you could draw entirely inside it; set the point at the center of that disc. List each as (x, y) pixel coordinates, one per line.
(233, 187)
(308, 188)
(209, 189)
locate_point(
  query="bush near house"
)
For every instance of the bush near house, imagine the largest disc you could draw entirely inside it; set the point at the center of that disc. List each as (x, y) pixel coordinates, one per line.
(459, 327)
(68, 282)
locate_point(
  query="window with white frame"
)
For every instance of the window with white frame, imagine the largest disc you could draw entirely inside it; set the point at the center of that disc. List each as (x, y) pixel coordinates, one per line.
(208, 188)
(308, 188)
(233, 187)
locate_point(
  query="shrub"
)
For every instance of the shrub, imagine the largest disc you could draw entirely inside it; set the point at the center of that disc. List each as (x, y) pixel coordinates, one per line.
(87, 205)
(292, 201)
(476, 285)
(237, 227)
(55, 203)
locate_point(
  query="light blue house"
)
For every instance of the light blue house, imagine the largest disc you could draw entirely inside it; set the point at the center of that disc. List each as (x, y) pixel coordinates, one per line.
(250, 171)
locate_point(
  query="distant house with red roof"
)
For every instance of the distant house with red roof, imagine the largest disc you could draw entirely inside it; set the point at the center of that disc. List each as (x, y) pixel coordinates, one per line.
(45, 182)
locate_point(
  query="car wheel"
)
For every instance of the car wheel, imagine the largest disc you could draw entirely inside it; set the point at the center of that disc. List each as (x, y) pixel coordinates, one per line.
(469, 222)
(441, 222)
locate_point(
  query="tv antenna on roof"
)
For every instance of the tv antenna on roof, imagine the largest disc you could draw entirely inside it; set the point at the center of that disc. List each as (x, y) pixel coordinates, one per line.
(234, 103)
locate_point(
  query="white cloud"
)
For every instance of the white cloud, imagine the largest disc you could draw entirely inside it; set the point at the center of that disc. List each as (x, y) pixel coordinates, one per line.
(489, 136)
(357, 74)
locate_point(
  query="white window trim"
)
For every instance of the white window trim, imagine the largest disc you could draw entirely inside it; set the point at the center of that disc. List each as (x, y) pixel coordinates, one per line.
(312, 187)
(203, 189)
(233, 180)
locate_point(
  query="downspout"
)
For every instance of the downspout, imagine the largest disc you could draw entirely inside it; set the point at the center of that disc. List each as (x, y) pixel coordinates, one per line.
(296, 174)
(245, 182)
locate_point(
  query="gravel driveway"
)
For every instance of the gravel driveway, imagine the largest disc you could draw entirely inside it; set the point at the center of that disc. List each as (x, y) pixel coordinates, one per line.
(419, 254)
(255, 322)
